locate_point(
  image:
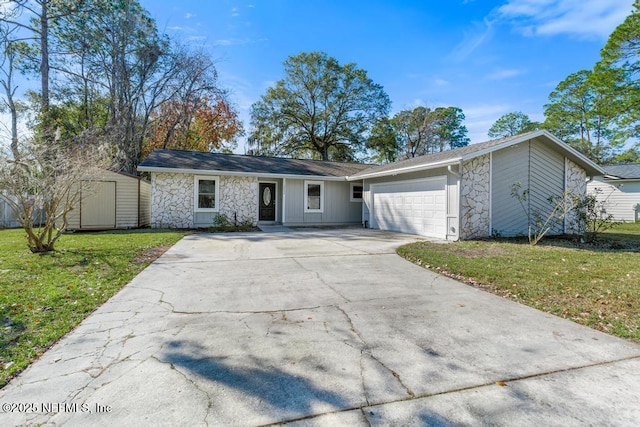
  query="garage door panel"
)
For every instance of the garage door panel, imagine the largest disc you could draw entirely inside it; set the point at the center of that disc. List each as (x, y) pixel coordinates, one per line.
(417, 207)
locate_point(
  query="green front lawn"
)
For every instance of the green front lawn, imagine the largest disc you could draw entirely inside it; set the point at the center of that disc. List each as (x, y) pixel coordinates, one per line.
(42, 297)
(596, 285)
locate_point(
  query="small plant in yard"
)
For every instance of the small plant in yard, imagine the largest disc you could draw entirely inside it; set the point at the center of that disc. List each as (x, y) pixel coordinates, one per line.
(543, 222)
(591, 216)
(221, 223)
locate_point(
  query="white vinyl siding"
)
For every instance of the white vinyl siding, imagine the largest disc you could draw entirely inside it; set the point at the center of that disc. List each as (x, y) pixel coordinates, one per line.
(540, 170)
(546, 177)
(99, 205)
(336, 209)
(621, 198)
(129, 202)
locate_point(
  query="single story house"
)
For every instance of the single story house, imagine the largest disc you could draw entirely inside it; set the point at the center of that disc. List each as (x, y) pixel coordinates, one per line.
(115, 201)
(619, 190)
(458, 194)
(190, 189)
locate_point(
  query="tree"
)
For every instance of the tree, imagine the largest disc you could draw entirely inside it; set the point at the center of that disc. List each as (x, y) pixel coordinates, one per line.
(116, 72)
(198, 124)
(581, 111)
(321, 109)
(449, 132)
(619, 71)
(412, 133)
(45, 184)
(39, 15)
(383, 141)
(512, 124)
(414, 130)
(9, 47)
(129, 61)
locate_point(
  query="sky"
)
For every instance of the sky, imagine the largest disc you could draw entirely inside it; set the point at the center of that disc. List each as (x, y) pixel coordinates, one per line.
(488, 57)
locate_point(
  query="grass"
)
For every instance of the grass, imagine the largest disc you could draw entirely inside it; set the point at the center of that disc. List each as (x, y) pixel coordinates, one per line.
(597, 285)
(42, 297)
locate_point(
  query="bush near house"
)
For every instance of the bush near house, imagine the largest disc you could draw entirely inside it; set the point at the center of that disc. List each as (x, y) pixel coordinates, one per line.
(42, 297)
(595, 284)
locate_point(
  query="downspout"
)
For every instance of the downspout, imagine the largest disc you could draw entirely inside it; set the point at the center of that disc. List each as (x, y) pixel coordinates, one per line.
(139, 210)
(458, 189)
(283, 217)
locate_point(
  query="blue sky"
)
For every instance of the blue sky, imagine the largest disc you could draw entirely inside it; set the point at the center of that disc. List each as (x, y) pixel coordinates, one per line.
(488, 57)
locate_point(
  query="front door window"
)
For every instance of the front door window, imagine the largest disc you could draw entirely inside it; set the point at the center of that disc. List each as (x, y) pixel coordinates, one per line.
(267, 211)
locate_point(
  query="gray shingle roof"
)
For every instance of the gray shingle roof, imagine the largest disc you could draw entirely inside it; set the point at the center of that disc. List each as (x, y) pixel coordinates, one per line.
(192, 160)
(471, 151)
(440, 157)
(629, 171)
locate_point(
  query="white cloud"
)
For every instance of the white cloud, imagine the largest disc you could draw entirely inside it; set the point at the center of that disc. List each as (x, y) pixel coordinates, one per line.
(231, 42)
(237, 42)
(504, 73)
(578, 18)
(480, 117)
(473, 39)
(189, 15)
(235, 11)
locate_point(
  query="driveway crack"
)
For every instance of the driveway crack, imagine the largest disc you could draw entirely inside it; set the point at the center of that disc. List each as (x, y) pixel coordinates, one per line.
(193, 383)
(322, 280)
(367, 350)
(286, 310)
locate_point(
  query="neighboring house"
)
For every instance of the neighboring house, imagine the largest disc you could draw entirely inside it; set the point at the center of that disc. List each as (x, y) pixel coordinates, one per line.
(458, 194)
(619, 190)
(7, 216)
(115, 201)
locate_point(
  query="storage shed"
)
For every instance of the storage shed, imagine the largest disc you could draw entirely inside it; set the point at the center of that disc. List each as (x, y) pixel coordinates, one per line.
(116, 201)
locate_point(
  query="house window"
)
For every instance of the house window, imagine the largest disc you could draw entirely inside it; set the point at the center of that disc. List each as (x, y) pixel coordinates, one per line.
(206, 190)
(314, 196)
(356, 192)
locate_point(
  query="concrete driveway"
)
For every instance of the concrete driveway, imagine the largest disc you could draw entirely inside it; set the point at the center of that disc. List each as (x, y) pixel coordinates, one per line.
(323, 328)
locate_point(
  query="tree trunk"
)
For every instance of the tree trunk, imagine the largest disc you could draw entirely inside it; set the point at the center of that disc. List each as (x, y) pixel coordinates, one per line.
(44, 56)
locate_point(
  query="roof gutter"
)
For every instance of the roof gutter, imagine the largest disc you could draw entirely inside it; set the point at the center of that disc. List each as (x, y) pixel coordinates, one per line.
(414, 168)
(235, 173)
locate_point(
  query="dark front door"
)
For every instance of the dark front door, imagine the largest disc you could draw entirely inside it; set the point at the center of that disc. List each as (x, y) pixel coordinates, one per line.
(267, 202)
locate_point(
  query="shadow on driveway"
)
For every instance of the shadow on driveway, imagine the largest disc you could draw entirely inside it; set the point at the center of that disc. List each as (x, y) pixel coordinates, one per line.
(287, 394)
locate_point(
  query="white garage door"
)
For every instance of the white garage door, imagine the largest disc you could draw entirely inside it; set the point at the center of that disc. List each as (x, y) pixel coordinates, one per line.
(415, 207)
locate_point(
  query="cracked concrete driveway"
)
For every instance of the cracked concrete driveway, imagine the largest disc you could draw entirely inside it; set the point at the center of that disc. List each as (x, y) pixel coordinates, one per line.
(323, 328)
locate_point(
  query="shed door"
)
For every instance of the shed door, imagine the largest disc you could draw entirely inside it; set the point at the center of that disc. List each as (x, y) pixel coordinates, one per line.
(414, 207)
(98, 205)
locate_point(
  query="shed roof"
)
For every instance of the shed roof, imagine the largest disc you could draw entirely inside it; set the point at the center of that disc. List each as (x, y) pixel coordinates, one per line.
(452, 157)
(198, 162)
(628, 171)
